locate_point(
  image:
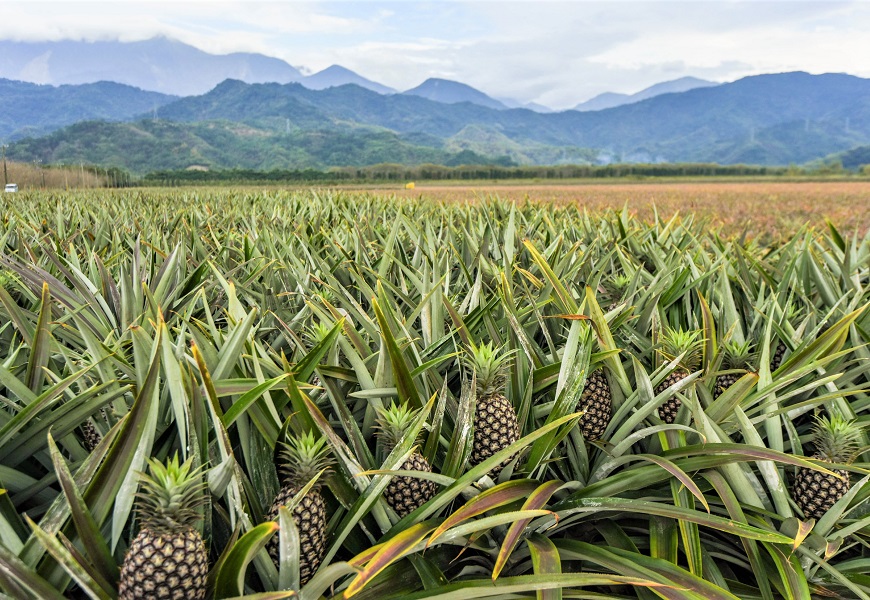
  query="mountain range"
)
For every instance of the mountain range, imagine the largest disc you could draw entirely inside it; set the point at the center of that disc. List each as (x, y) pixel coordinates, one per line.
(767, 119)
(253, 111)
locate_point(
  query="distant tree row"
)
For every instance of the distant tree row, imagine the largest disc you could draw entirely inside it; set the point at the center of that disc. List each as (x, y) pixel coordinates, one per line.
(398, 173)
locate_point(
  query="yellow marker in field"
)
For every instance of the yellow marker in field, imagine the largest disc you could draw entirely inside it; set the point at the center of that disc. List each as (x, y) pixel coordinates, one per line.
(409, 186)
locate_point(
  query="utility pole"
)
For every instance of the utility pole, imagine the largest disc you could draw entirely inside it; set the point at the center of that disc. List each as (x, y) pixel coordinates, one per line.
(5, 176)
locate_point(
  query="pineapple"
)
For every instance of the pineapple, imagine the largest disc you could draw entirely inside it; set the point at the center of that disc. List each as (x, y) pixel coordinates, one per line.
(495, 420)
(404, 494)
(737, 356)
(168, 558)
(674, 343)
(778, 355)
(835, 441)
(596, 404)
(90, 436)
(303, 458)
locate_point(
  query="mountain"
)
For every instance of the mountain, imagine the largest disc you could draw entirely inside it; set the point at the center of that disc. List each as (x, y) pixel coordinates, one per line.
(336, 75)
(30, 109)
(855, 159)
(767, 119)
(613, 99)
(147, 146)
(670, 127)
(159, 64)
(453, 92)
(511, 103)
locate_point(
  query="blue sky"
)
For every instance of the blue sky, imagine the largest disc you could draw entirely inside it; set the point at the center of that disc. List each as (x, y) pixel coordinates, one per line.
(555, 53)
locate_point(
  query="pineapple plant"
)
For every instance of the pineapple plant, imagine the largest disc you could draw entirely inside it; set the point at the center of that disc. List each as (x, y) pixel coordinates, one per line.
(676, 342)
(404, 494)
(737, 355)
(835, 441)
(317, 334)
(495, 420)
(615, 289)
(792, 312)
(302, 458)
(596, 404)
(167, 559)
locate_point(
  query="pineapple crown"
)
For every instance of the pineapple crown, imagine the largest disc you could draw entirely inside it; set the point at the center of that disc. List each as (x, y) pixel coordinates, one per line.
(326, 294)
(302, 457)
(393, 422)
(737, 355)
(836, 439)
(616, 285)
(170, 494)
(491, 367)
(318, 332)
(675, 342)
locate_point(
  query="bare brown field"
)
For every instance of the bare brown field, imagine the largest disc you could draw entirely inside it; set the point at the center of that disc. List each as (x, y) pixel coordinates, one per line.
(756, 207)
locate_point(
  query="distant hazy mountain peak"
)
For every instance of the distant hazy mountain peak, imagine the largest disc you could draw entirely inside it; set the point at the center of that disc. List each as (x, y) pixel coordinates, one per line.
(453, 92)
(336, 75)
(511, 103)
(158, 64)
(614, 99)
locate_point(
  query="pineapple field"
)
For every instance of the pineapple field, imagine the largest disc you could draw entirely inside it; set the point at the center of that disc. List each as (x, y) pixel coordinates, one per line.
(239, 394)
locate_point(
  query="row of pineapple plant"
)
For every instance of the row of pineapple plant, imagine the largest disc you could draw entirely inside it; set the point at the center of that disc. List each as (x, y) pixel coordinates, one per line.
(189, 331)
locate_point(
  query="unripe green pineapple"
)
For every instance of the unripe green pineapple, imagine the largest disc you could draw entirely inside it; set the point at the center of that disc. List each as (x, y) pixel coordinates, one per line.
(302, 458)
(167, 559)
(495, 420)
(404, 494)
(836, 441)
(596, 404)
(674, 343)
(737, 355)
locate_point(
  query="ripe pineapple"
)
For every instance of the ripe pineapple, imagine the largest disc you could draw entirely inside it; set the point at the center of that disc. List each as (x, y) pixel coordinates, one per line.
(836, 441)
(596, 404)
(495, 420)
(674, 343)
(168, 558)
(303, 458)
(404, 494)
(736, 356)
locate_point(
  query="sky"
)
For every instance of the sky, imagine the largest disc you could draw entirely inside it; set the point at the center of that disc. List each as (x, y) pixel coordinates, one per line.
(554, 53)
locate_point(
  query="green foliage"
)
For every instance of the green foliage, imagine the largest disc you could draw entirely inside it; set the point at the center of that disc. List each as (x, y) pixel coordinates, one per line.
(215, 325)
(30, 109)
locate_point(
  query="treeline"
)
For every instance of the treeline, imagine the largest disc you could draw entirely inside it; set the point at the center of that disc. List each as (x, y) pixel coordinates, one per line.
(398, 173)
